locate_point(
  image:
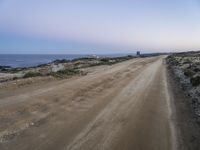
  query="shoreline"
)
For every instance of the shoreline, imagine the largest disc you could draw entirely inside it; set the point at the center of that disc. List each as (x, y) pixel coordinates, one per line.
(58, 68)
(62, 68)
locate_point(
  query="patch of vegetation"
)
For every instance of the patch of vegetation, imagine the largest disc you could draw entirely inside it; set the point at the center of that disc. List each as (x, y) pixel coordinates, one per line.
(112, 61)
(196, 69)
(172, 60)
(10, 70)
(84, 58)
(32, 74)
(187, 61)
(188, 73)
(15, 78)
(104, 62)
(41, 65)
(105, 59)
(195, 81)
(14, 70)
(64, 73)
(130, 56)
(61, 61)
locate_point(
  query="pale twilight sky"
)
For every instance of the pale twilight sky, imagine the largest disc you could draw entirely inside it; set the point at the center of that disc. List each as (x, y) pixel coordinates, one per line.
(98, 26)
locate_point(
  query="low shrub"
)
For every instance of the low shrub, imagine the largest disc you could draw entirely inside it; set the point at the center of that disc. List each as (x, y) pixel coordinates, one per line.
(15, 78)
(32, 74)
(195, 81)
(105, 60)
(172, 60)
(188, 73)
(66, 72)
(196, 69)
(61, 61)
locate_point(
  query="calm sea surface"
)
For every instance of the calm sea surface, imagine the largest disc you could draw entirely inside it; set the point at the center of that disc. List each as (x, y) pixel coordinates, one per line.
(29, 60)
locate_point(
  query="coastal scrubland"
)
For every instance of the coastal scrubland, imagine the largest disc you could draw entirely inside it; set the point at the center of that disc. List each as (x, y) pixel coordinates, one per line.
(184, 72)
(58, 68)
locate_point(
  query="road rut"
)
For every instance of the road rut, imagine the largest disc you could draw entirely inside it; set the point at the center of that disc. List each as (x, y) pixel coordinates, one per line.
(125, 106)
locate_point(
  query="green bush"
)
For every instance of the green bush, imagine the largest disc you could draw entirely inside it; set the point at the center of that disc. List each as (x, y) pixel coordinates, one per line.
(61, 61)
(188, 73)
(172, 60)
(196, 69)
(32, 74)
(66, 72)
(195, 81)
(15, 78)
(105, 60)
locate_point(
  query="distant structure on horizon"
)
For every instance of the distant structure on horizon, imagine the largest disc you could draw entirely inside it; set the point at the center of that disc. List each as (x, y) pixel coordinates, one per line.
(138, 53)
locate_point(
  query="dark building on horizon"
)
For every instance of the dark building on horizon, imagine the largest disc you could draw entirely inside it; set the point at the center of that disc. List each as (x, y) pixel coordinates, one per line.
(138, 53)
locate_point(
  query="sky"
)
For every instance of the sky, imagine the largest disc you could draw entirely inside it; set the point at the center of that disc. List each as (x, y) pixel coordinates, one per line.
(98, 26)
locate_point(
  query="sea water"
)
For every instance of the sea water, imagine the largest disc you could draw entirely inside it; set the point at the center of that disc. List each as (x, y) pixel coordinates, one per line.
(29, 60)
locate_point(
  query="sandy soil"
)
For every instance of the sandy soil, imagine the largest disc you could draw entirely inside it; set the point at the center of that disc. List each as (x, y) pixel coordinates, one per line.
(121, 107)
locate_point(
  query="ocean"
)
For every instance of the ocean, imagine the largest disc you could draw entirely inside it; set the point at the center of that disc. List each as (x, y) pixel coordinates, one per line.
(30, 60)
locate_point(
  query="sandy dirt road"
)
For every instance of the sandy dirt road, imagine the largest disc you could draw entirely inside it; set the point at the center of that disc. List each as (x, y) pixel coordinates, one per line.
(121, 107)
